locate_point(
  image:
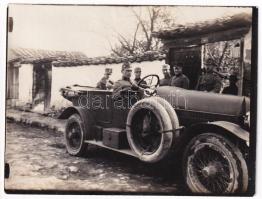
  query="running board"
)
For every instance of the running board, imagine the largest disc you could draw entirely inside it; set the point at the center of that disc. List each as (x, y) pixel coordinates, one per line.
(100, 144)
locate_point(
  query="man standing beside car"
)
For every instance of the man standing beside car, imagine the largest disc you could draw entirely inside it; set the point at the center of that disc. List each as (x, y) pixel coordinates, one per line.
(209, 82)
(232, 89)
(166, 72)
(179, 80)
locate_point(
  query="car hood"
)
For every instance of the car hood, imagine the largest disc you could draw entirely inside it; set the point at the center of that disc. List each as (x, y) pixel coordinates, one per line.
(204, 102)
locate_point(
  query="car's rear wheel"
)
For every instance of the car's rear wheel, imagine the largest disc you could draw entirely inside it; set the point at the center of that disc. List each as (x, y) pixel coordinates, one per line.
(75, 136)
(214, 165)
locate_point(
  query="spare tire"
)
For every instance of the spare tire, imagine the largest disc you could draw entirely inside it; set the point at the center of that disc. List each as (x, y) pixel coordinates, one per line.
(172, 114)
(149, 130)
(174, 120)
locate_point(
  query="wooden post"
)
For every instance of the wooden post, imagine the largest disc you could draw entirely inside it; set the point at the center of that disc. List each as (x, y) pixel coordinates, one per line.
(16, 83)
(48, 82)
(241, 67)
(13, 80)
(203, 53)
(10, 24)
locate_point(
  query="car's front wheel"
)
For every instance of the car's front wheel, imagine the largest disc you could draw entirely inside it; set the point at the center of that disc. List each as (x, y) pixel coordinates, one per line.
(214, 165)
(75, 136)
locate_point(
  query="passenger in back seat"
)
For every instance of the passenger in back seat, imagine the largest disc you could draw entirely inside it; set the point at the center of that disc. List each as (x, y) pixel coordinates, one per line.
(105, 83)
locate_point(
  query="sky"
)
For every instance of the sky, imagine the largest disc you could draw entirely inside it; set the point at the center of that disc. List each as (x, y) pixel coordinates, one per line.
(89, 29)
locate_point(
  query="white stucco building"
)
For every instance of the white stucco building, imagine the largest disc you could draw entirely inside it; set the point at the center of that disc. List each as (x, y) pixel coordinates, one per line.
(35, 77)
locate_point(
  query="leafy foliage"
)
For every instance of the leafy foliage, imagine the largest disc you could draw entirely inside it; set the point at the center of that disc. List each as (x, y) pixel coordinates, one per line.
(225, 56)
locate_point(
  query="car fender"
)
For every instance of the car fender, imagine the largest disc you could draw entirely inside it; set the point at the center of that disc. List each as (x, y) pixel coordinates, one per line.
(85, 115)
(217, 126)
(68, 112)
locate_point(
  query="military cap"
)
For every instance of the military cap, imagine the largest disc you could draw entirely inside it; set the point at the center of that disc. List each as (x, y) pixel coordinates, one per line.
(165, 66)
(108, 71)
(126, 65)
(178, 66)
(137, 69)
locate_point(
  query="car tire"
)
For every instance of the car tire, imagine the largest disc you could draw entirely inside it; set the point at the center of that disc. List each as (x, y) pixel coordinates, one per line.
(163, 120)
(172, 115)
(214, 165)
(75, 136)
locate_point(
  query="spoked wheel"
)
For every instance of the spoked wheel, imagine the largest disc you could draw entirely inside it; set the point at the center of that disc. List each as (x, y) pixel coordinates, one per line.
(212, 164)
(75, 136)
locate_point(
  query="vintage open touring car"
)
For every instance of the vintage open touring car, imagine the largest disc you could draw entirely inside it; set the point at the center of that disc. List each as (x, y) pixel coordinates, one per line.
(210, 130)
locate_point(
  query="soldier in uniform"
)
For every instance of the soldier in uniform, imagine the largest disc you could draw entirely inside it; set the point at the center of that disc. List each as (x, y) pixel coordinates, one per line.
(232, 89)
(137, 72)
(166, 72)
(209, 81)
(125, 83)
(105, 83)
(179, 80)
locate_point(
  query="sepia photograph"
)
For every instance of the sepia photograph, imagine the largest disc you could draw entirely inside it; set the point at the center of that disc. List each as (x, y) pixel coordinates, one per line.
(131, 99)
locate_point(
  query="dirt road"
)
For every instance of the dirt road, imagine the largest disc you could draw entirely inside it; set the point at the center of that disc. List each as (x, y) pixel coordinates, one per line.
(38, 161)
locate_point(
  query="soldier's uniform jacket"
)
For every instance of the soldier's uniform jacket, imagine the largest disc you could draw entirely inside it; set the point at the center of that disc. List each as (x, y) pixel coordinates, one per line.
(121, 85)
(180, 81)
(165, 81)
(102, 83)
(232, 90)
(209, 82)
(125, 84)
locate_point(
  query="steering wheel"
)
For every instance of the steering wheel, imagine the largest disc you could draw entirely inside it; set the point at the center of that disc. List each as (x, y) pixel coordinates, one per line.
(152, 82)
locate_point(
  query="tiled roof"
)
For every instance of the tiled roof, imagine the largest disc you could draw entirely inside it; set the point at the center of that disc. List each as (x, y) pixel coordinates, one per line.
(147, 56)
(26, 55)
(63, 58)
(205, 27)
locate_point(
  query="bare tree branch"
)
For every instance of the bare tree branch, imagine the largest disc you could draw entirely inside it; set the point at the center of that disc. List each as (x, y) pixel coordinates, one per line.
(114, 49)
(142, 24)
(149, 12)
(123, 39)
(211, 54)
(117, 53)
(126, 46)
(156, 16)
(134, 39)
(223, 54)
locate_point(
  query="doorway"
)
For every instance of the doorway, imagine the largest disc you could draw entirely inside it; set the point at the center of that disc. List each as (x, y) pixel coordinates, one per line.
(41, 91)
(190, 60)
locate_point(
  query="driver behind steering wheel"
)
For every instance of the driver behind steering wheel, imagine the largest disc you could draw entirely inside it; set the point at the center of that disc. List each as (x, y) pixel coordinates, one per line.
(137, 80)
(125, 84)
